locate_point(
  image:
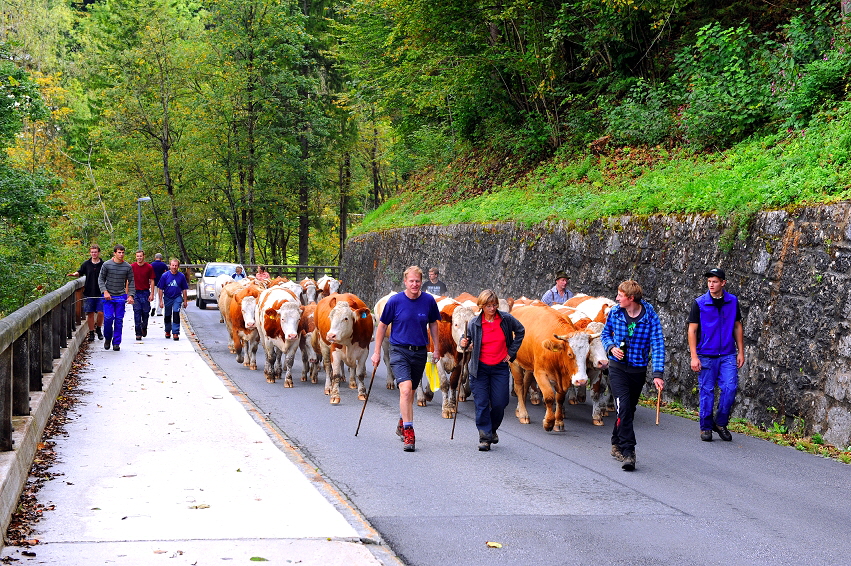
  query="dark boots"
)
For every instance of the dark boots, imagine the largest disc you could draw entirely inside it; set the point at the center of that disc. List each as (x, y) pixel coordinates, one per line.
(484, 441)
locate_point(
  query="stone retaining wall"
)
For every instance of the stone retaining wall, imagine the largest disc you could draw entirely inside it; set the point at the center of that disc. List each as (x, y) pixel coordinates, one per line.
(791, 271)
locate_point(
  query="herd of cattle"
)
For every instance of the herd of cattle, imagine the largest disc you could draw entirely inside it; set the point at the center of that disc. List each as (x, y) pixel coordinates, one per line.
(561, 357)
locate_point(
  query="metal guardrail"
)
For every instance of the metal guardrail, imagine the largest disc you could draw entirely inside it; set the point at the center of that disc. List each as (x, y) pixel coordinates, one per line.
(30, 339)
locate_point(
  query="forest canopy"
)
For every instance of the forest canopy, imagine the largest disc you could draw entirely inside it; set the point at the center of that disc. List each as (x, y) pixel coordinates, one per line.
(264, 131)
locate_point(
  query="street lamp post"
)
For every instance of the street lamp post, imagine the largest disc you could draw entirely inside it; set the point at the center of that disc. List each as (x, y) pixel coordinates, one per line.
(139, 202)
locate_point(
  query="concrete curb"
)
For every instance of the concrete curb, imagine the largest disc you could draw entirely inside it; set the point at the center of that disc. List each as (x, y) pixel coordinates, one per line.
(15, 465)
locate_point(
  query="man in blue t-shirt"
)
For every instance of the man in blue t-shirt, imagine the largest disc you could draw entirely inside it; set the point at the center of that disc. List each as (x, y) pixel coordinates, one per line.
(414, 316)
(160, 267)
(174, 286)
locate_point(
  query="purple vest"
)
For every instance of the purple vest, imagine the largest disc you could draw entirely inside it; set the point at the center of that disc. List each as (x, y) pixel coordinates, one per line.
(716, 326)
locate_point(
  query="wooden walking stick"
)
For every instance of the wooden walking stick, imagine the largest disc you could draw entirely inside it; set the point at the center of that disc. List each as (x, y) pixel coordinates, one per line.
(368, 391)
(464, 358)
(658, 405)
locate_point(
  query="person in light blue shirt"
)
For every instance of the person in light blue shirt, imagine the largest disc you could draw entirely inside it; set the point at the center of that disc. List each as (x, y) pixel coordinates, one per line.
(559, 294)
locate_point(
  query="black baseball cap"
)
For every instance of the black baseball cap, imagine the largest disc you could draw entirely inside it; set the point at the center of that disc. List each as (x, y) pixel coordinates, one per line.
(716, 272)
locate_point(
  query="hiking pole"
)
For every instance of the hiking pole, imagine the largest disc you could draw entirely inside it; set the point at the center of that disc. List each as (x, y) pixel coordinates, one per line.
(658, 405)
(368, 391)
(464, 358)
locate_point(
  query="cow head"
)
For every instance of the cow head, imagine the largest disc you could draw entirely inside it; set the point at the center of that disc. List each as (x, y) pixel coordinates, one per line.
(343, 319)
(461, 317)
(574, 347)
(248, 306)
(289, 315)
(596, 352)
(309, 290)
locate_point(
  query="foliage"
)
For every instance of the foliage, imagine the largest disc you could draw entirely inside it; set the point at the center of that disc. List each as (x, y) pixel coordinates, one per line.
(642, 118)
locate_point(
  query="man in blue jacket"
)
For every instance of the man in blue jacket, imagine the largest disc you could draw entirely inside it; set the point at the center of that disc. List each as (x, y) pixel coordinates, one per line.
(633, 338)
(717, 353)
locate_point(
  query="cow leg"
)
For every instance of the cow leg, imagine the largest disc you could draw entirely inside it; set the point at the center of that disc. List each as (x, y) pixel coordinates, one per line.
(337, 374)
(326, 362)
(597, 409)
(305, 363)
(289, 361)
(449, 386)
(519, 375)
(253, 344)
(385, 353)
(360, 374)
(548, 395)
(269, 367)
(559, 416)
(576, 395)
(534, 392)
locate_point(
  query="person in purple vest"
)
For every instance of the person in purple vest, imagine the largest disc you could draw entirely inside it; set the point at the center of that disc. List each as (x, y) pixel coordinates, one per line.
(716, 343)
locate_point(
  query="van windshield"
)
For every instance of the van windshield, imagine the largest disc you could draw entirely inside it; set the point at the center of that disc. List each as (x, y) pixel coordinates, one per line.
(216, 270)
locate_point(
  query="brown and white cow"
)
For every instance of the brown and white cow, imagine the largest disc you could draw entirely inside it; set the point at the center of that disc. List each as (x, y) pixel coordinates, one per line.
(224, 300)
(278, 316)
(451, 327)
(345, 325)
(243, 324)
(555, 353)
(385, 346)
(327, 285)
(308, 288)
(311, 353)
(595, 308)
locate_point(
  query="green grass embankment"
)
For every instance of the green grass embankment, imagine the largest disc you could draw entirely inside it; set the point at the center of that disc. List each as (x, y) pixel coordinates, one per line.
(800, 167)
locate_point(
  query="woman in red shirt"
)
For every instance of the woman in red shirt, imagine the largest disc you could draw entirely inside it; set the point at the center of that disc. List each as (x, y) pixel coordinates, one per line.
(496, 336)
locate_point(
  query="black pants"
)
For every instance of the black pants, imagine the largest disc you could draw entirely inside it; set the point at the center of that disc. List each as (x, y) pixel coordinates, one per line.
(626, 389)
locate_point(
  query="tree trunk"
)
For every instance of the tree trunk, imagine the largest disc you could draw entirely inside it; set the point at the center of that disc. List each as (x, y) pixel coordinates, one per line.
(376, 183)
(303, 206)
(345, 181)
(169, 187)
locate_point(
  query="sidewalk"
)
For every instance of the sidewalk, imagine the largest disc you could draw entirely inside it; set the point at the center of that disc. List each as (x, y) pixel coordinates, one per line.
(162, 464)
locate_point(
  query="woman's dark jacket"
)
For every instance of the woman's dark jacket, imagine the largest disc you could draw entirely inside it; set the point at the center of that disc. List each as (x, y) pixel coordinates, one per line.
(512, 329)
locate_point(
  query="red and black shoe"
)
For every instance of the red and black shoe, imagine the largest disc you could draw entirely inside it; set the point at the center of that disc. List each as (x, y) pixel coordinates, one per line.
(409, 439)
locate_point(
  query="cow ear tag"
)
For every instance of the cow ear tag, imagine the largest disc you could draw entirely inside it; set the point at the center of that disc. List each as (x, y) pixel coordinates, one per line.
(363, 315)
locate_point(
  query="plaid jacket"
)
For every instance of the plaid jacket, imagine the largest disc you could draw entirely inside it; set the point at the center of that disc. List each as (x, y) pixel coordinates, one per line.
(646, 343)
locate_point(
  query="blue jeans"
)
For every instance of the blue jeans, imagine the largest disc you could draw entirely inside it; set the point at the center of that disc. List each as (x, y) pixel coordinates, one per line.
(490, 395)
(113, 318)
(141, 310)
(723, 373)
(172, 313)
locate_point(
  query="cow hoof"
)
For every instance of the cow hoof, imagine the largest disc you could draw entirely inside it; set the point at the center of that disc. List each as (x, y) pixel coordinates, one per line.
(252, 366)
(270, 379)
(534, 401)
(597, 422)
(548, 427)
(422, 403)
(559, 427)
(581, 399)
(314, 380)
(571, 401)
(604, 413)
(288, 383)
(335, 400)
(353, 384)
(327, 392)
(448, 413)
(361, 396)
(462, 399)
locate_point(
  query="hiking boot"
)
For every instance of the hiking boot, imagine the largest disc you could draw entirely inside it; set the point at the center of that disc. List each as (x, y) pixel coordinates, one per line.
(144, 332)
(98, 332)
(628, 461)
(723, 432)
(91, 337)
(138, 337)
(153, 312)
(106, 344)
(706, 435)
(484, 441)
(408, 439)
(167, 335)
(116, 347)
(400, 431)
(494, 438)
(616, 453)
(176, 337)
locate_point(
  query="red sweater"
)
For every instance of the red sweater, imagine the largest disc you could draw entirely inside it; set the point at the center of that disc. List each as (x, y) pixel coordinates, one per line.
(493, 349)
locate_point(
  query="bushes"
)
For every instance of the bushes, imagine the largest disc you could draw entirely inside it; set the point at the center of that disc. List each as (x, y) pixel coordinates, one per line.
(643, 118)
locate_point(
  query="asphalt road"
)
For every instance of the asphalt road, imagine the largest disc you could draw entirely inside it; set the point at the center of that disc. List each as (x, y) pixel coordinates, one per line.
(556, 498)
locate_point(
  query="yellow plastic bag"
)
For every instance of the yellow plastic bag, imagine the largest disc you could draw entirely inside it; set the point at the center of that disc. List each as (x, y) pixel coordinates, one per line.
(431, 373)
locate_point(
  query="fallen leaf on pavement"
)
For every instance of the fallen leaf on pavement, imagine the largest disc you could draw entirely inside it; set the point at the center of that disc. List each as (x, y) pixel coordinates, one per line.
(494, 544)
(258, 559)
(160, 551)
(199, 506)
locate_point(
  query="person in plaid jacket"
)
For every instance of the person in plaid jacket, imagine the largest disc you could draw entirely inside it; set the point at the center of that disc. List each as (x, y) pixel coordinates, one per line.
(633, 339)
